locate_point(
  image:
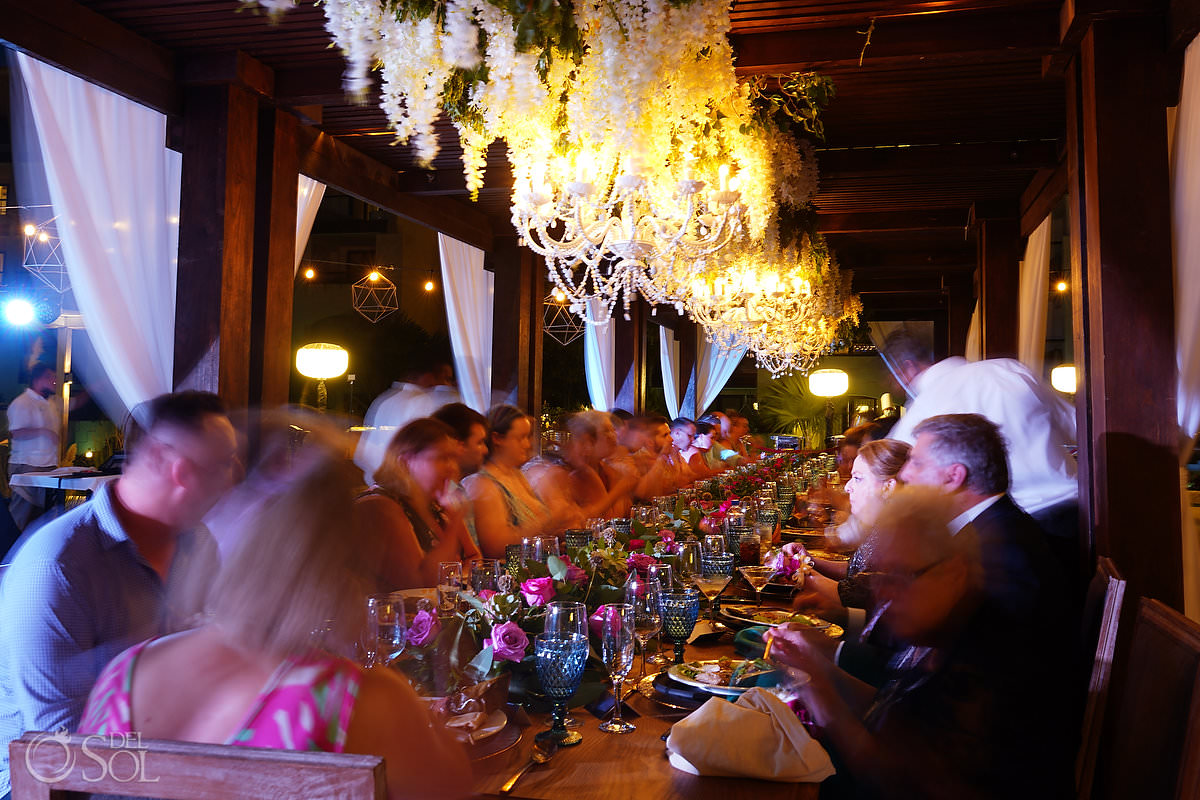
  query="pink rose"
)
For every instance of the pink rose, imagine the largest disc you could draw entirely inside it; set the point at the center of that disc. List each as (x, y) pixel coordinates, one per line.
(538, 591)
(637, 544)
(666, 535)
(424, 629)
(508, 641)
(486, 594)
(576, 575)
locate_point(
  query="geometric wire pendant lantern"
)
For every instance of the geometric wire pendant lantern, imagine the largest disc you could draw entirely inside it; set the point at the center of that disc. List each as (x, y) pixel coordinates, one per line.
(374, 296)
(43, 256)
(558, 322)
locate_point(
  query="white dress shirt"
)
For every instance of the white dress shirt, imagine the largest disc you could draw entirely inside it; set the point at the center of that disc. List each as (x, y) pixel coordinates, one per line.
(27, 411)
(391, 411)
(1035, 420)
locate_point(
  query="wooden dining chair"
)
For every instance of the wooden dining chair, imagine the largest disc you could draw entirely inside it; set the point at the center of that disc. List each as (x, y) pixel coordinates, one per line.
(45, 766)
(1144, 744)
(1102, 616)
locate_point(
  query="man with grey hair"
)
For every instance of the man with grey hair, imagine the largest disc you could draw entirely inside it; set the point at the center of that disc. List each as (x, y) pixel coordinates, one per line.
(1037, 422)
(964, 457)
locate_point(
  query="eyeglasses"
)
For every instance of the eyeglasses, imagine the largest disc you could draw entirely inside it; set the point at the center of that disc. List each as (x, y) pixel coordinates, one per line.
(898, 581)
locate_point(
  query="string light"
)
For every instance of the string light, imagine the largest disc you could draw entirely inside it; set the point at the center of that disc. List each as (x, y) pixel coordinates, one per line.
(310, 273)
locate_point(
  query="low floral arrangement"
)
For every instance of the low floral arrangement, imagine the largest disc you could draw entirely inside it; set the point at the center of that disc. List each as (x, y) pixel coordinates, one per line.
(790, 562)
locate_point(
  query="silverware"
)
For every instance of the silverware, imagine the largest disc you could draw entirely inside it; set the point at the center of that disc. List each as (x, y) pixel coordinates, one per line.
(543, 751)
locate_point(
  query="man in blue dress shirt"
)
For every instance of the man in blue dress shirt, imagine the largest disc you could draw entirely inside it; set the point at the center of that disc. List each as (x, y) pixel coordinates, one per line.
(105, 576)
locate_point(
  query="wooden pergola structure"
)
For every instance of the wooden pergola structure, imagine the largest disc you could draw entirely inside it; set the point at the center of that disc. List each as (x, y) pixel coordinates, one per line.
(958, 125)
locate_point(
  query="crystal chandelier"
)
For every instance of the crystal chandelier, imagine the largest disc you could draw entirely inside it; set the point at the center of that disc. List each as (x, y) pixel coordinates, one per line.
(781, 304)
(610, 233)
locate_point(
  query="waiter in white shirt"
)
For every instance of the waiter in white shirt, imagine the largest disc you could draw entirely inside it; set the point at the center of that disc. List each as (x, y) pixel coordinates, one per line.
(34, 425)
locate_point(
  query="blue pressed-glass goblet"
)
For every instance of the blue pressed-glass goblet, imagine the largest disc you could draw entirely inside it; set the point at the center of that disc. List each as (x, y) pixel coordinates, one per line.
(680, 610)
(560, 661)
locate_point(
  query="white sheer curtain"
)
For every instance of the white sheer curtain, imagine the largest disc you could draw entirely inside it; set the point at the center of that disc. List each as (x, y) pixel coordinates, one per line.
(1185, 209)
(974, 348)
(308, 199)
(713, 368)
(1035, 288)
(469, 313)
(668, 349)
(115, 190)
(599, 360)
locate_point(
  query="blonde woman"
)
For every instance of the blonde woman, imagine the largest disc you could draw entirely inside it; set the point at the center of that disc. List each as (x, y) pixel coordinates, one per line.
(253, 675)
(410, 507)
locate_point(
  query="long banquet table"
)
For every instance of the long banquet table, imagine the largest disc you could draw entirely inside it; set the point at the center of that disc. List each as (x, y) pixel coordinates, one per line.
(616, 767)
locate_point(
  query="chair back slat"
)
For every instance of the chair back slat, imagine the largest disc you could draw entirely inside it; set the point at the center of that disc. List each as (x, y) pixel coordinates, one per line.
(1102, 616)
(48, 765)
(1143, 747)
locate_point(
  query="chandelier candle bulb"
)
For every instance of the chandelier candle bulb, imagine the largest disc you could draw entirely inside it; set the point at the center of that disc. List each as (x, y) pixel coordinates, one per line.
(723, 174)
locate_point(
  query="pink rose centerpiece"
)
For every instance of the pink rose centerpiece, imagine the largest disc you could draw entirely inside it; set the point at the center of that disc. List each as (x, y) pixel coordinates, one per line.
(538, 591)
(508, 642)
(424, 629)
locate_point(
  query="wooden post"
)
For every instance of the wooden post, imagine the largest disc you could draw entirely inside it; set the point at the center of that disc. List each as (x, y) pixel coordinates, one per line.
(216, 238)
(274, 258)
(998, 238)
(517, 324)
(960, 300)
(1124, 320)
(629, 363)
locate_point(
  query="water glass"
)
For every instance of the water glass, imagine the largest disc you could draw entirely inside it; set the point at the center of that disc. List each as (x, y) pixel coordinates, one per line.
(680, 610)
(560, 662)
(617, 634)
(577, 538)
(449, 585)
(485, 575)
(687, 563)
(566, 616)
(387, 628)
(514, 559)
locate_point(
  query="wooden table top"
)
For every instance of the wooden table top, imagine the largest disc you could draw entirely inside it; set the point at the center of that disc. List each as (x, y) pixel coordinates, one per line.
(608, 766)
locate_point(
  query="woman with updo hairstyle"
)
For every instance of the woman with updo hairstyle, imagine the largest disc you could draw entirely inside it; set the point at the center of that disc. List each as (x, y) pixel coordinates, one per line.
(408, 506)
(507, 509)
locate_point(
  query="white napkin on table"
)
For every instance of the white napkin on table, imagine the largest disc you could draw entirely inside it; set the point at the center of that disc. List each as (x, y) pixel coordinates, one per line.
(759, 736)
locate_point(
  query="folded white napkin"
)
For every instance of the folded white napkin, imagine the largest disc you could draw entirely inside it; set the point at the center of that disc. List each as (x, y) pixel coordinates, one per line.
(756, 737)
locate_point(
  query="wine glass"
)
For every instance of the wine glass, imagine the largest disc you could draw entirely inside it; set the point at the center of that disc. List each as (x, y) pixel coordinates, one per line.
(448, 586)
(757, 577)
(665, 576)
(687, 563)
(617, 626)
(716, 570)
(642, 594)
(560, 662)
(387, 626)
(679, 613)
(485, 575)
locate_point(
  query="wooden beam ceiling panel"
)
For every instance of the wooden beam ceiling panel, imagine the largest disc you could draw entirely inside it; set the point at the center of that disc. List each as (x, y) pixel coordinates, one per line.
(893, 221)
(87, 44)
(946, 39)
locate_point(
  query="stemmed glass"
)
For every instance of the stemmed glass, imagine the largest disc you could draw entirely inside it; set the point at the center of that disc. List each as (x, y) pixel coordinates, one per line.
(665, 576)
(387, 627)
(757, 577)
(679, 612)
(560, 662)
(616, 650)
(642, 595)
(485, 575)
(565, 617)
(448, 586)
(716, 570)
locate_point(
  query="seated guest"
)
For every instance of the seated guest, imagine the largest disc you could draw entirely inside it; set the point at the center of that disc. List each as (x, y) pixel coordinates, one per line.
(406, 507)
(470, 428)
(253, 675)
(970, 707)
(103, 576)
(572, 481)
(696, 453)
(507, 509)
(832, 590)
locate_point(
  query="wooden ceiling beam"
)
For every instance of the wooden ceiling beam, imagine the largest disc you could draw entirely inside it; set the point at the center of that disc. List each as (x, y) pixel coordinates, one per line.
(330, 161)
(1076, 16)
(90, 45)
(937, 159)
(870, 221)
(951, 38)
